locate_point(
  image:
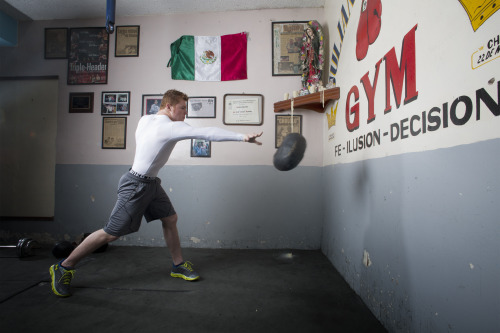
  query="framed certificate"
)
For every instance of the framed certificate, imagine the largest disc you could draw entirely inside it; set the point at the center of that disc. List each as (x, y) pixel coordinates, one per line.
(243, 109)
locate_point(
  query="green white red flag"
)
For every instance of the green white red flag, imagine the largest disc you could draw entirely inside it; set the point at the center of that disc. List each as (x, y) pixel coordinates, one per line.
(209, 58)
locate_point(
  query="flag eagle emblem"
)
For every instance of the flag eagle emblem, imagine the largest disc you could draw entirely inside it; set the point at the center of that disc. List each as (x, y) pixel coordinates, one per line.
(208, 57)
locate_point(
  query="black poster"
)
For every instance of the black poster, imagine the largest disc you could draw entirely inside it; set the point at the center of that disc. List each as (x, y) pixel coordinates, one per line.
(88, 58)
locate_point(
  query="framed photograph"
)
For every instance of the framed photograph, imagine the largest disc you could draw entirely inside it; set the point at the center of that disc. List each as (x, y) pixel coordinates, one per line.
(151, 104)
(201, 107)
(127, 41)
(287, 42)
(115, 103)
(201, 148)
(284, 127)
(56, 43)
(243, 109)
(114, 132)
(81, 102)
(88, 56)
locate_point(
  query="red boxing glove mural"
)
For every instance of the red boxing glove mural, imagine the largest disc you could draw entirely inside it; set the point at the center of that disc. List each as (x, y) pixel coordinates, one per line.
(369, 25)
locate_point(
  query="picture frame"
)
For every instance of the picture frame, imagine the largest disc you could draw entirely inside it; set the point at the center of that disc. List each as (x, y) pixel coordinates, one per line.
(114, 133)
(56, 43)
(283, 127)
(287, 42)
(201, 107)
(201, 148)
(115, 103)
(127, 40)
(243, 109)
(81, 102)
(88, 56)
(151, 104)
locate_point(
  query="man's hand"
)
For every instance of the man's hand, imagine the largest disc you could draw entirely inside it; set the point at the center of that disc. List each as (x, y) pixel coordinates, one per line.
(251, 138)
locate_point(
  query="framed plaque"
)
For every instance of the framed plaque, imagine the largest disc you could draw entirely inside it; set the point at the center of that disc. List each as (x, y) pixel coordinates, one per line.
(243, 109)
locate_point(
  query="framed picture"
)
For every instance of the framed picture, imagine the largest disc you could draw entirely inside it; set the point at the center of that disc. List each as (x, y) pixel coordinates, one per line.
(287, 42)
(201, 107)
(151, 104)
(201, 148)
(284, 127)
(114, 132)
(88, 56)
(243, 109)
(81, 102)
(115, 103)
(127, 41)
(56, 43)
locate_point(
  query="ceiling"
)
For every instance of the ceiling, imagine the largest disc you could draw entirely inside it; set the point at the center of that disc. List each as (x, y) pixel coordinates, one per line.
(83, 9)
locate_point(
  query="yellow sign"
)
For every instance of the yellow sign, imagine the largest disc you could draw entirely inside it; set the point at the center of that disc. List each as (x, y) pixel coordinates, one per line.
(479, 10)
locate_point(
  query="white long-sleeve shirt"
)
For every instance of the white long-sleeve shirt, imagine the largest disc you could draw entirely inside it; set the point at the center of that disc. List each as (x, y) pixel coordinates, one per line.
(156, 136)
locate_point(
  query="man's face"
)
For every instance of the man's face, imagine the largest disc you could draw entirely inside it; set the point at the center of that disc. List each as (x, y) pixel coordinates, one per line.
(178, 111)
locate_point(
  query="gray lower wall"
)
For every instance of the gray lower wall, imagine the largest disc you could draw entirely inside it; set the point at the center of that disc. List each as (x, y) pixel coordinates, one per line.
(218, 207)
(430, 223)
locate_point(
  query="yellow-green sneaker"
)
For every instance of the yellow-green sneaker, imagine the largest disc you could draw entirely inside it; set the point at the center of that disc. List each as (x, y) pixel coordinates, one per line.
(184, 271)
(61, 279)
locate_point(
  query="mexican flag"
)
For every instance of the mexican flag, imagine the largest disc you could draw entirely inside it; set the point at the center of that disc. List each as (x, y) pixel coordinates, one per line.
(209, 58)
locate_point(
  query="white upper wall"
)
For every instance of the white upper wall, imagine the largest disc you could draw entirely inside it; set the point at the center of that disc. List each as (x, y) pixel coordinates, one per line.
(79, 135)
(455, 56)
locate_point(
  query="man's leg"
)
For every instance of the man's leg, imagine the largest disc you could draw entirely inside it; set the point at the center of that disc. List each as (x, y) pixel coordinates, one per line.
(62, 273)
(169, 225)
(89, 245)
(180, 269)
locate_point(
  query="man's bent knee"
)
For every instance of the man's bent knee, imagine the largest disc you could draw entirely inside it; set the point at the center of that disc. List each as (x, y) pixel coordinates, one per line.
(169, 221)
(106, 236)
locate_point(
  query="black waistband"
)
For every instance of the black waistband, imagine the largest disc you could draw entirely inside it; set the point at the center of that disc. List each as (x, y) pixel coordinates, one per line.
(141, 176)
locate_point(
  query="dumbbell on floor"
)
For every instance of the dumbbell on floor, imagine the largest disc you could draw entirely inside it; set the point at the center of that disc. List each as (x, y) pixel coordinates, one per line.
(24, 248)
(63, 249)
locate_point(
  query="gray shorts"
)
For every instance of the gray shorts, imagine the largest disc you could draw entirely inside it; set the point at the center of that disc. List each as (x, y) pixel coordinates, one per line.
(137, 197)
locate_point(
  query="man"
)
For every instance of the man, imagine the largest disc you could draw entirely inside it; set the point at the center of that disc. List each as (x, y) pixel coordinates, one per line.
(154, 108)
(139, 190)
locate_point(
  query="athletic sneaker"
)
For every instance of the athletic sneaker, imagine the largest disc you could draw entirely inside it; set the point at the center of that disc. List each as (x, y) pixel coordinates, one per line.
(61, 279)
(184, 271)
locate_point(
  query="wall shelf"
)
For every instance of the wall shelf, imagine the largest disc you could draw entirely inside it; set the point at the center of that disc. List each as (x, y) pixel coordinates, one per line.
(313, 102)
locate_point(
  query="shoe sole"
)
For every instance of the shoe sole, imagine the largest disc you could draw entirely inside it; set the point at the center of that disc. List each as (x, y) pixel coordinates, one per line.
(52, 283)
(184, 277)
